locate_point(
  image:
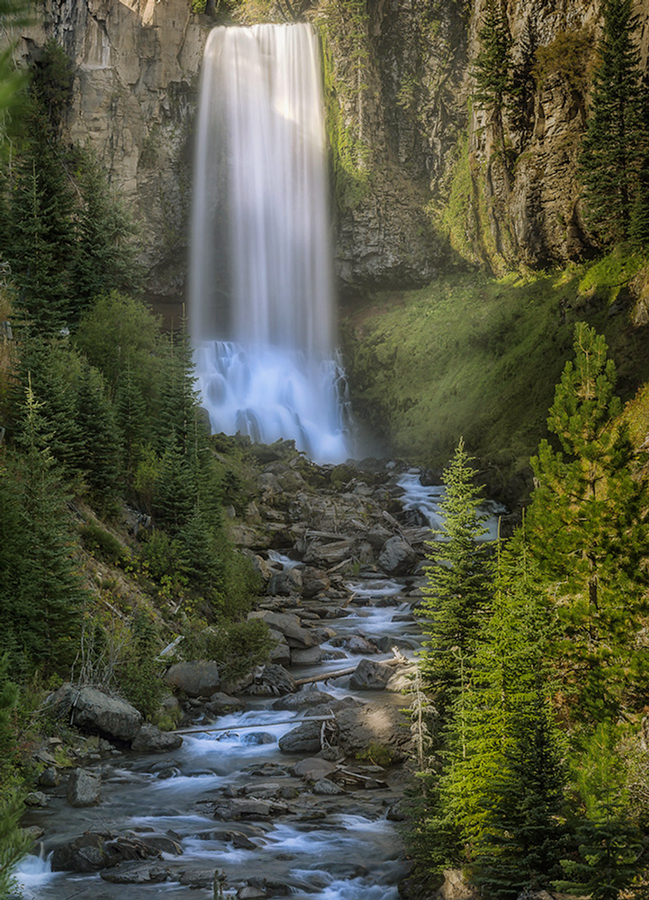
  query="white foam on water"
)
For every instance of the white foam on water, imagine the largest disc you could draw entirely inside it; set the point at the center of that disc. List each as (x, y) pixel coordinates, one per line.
(429, 499)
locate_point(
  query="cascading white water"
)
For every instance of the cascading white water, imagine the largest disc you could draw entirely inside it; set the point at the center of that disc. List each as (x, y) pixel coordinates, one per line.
(261, 285)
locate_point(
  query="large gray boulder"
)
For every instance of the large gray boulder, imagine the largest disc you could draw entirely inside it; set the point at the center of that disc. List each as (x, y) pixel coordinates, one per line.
(150, 739)
(84, 788)
(370, 676)
(93, 851)
(397, 557)
(288, 625)
(195, 678)
(90, 709)
(303, 739)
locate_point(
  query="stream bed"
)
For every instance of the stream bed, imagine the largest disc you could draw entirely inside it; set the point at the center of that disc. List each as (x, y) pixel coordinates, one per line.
(242, 810)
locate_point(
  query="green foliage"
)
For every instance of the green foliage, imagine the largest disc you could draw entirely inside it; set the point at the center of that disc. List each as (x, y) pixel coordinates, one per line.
(67, 238)
(492, 72)
(568, 55)
(140, 675)
(51, 84)
(480, 357)
(40, 592)
(617, 136)
(14, 842)
(97, 540)
(588, 532)
(237, 647)
(458, 584)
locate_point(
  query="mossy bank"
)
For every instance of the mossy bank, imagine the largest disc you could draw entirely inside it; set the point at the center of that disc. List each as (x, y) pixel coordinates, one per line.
(479, 357)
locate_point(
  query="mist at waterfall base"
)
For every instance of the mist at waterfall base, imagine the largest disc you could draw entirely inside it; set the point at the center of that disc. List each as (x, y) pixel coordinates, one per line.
(261, 295)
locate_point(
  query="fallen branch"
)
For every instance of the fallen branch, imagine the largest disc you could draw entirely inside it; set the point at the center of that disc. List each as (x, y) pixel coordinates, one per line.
(327, 675)
(207, 729)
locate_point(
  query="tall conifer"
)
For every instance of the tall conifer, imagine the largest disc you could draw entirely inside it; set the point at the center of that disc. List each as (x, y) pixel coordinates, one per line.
(587, 526)
(617, 135)
(458, 588)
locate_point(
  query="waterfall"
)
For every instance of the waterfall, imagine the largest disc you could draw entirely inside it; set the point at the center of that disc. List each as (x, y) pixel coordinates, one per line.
(261, 296)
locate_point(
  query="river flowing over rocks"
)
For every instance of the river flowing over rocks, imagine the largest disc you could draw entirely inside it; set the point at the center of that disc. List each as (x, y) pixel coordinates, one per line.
(290, 781)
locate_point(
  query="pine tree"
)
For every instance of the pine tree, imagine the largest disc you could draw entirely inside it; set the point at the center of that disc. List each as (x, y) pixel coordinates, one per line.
(587, 528)
(504, 781)
(617, 135)
(38, 246)
(100, 456)
(493, 70)
(458, 588)
(40, 591)
(104, 247)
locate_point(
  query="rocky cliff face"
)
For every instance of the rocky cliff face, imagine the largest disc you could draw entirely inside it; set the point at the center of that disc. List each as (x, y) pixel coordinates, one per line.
(136, 83)
(418, 176)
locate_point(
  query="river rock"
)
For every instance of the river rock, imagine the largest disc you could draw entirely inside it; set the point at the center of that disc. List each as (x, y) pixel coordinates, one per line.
(310, 657)
(271, 680)
(328, 554)
(314, 582)
(221, 704)
(370, 676)
(397, 557)
(381, 725)
(138, 873)
(247, 808)
(313, 768)
(303, 699)
(95, 711)
(326, 787)
(49, 777)
(303, 739)
(150, 739)
(92, 851)
(287, 624)
(84, 788)
(281, 652)
(285, 583)
(196, 678)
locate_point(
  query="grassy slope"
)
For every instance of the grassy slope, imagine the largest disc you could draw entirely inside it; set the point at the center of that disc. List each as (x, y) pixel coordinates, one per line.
(478, 357)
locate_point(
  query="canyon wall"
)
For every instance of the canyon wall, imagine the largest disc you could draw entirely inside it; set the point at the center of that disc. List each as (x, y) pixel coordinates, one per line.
(419, 183)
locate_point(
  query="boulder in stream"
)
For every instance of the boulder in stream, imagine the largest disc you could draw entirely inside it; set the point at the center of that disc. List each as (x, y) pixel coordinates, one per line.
(370, 676)
(93, 851)
(150, 739)
(397, 557)
(84, 787)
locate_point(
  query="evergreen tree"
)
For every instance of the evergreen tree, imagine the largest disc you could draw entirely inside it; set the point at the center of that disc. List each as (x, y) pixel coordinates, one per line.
(95, 419)
(617, 135)
(588, 530)
(458, 588)
(504, 781)
(40, 591)
(493, 70)
(105, 252)
(38, 244)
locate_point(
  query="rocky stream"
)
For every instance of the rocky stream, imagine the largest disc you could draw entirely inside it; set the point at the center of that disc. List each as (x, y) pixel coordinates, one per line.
(292, 781)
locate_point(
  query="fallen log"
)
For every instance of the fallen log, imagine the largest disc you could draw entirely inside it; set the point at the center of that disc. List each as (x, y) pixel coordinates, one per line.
(207, 729)
(327, 675)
